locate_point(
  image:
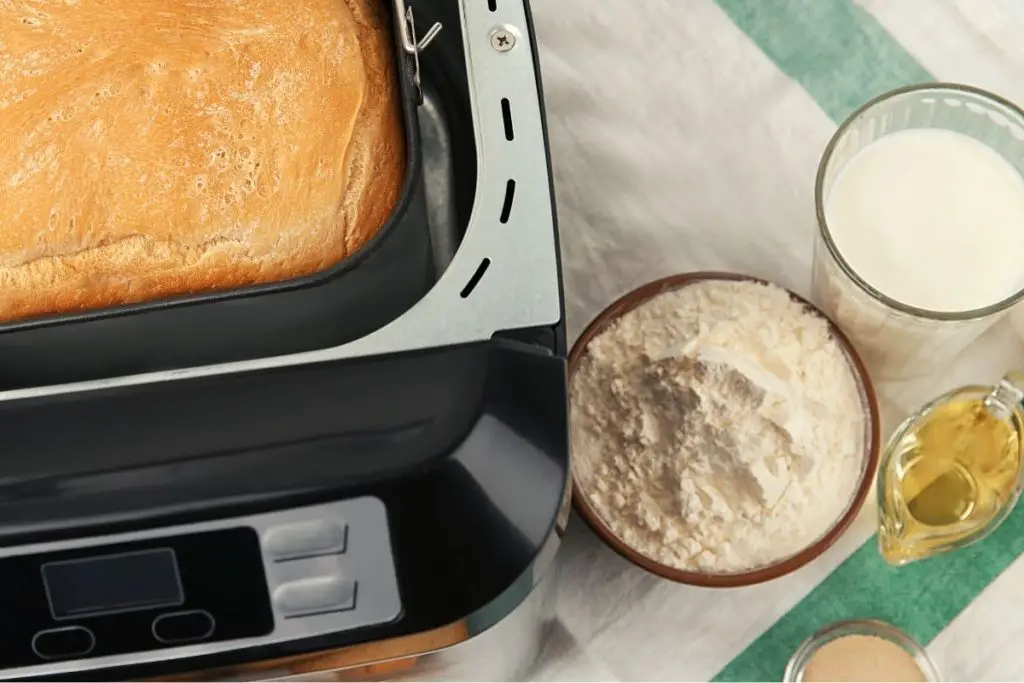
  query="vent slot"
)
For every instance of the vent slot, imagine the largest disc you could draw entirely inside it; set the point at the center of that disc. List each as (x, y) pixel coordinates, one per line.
(475, 280)
(506, 115)
(492, 5)
(510, 195)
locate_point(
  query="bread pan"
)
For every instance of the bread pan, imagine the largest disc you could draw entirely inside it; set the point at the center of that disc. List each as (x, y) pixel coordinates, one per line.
(361, 293)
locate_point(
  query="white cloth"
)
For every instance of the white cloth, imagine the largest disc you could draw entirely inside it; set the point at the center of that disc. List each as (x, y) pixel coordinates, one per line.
(678, 146)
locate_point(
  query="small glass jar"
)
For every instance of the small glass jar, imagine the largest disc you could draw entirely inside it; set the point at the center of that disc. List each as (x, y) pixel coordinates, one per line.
(898, 341)
(858, 627)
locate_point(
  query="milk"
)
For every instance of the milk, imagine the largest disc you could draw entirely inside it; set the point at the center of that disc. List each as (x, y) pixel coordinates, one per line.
(931, 218)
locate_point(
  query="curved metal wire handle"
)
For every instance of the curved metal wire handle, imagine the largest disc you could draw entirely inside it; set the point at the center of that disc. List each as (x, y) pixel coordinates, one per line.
(410, 44)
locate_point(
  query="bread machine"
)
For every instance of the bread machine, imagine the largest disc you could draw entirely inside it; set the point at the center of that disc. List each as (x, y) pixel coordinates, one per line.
(385, 507)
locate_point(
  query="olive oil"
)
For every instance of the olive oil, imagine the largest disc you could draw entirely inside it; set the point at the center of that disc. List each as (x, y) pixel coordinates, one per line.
(950, 473)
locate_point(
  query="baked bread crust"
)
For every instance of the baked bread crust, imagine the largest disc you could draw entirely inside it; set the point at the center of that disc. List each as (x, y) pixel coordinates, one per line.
(163, 147)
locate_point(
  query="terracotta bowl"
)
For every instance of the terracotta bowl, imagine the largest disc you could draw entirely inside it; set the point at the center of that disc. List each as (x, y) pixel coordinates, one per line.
(766, 572)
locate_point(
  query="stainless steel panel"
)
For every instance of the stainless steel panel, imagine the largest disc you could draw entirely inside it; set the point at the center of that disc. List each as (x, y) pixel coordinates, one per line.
(503, 652)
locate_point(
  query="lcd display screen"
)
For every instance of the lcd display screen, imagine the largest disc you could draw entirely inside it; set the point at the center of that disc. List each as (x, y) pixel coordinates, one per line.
(109, 584)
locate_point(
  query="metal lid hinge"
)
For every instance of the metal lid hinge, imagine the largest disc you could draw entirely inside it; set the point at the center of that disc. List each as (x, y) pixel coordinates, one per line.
(411, 45)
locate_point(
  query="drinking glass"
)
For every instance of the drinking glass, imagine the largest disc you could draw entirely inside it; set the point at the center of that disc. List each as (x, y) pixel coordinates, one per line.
(898, 341)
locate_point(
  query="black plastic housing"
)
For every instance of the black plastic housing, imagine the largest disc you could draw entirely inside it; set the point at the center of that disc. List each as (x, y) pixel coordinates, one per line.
(466, 446)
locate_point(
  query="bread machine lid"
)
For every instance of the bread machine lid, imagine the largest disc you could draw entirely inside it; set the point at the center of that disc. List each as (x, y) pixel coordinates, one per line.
(246, 440)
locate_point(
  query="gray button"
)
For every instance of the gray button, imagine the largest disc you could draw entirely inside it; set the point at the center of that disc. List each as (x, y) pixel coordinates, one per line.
(305, 539)
(320, 595)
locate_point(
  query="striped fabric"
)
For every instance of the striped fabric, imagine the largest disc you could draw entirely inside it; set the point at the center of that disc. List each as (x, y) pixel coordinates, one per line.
(685, 136)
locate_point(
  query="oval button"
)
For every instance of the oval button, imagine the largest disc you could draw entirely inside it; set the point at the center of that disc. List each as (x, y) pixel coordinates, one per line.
(62, 643)
(315, 537)
(183, 627)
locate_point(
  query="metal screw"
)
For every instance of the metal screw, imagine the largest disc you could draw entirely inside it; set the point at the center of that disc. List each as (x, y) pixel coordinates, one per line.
(502, 40)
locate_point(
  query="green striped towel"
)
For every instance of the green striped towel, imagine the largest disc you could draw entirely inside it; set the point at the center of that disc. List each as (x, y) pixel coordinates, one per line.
(685, 135)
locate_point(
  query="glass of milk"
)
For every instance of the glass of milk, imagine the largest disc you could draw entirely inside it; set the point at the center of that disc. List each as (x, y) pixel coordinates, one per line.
(920, 204)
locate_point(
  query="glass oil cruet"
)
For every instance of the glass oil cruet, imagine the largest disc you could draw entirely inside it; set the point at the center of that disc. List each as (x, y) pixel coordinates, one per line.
(951, 473)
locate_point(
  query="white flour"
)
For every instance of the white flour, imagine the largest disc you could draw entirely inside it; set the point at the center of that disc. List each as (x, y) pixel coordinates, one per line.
(717, 427)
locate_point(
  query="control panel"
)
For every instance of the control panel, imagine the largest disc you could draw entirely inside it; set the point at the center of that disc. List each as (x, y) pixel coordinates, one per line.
(196, 589)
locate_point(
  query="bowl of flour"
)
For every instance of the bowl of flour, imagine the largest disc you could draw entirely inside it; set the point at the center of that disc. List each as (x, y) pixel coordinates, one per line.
(724, 430)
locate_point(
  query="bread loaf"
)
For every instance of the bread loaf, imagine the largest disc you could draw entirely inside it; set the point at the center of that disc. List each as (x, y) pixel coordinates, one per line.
(162, 147)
